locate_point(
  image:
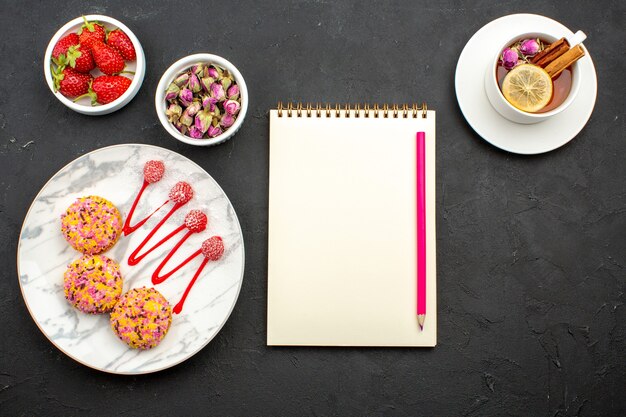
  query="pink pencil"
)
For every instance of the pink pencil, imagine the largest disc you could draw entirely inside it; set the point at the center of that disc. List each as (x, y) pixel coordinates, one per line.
(420, 157)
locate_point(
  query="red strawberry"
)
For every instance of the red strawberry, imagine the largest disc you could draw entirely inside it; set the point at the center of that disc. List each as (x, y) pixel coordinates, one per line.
(91, 32)
(71, 83)
(79, 58)
(63, 45)
(107, 59)
(120, 41)
(107, 88)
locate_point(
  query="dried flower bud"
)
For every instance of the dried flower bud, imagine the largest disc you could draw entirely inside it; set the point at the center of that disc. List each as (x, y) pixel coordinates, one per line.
(214, 72)
(231, 107)
(203, 120)
(227, 120)
(197, 69)
(217, 91)
(529, 47)
(209, 103)
(233, 92)
(195, 133)
(181, 80)
(173, 112)
(509, 58)
(186, 118)
(226, 82)
(172, 92)
(194, 108)
(194, 83)
(206, 83)
(186, 97)
(181, 127)
(214, 131)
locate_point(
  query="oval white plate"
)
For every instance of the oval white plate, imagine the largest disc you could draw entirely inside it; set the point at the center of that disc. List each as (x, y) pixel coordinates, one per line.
(116, 173)
(489, 124)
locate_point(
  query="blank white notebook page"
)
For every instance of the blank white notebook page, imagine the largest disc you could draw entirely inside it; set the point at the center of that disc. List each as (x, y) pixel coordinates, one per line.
(342, 231)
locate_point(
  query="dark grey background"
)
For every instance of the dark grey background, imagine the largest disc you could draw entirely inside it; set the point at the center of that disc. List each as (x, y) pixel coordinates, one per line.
(531, 250)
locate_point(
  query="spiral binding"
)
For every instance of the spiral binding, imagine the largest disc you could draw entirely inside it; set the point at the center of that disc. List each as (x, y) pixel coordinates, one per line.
(394, 111)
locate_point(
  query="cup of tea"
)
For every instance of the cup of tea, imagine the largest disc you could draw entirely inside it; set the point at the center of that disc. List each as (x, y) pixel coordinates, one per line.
(535, 75)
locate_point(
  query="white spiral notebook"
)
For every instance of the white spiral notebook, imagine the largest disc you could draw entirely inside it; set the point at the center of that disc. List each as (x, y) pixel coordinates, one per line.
(342, 227)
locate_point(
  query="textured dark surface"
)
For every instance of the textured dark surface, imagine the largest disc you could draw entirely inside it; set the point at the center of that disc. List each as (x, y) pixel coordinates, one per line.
(531, 250)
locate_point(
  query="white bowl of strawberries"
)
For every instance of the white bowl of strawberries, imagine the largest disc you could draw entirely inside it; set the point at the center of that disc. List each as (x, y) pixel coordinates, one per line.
(94, 65)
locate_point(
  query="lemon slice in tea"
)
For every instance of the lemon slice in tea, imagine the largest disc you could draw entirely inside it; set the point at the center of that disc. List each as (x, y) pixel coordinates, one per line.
(527, 87)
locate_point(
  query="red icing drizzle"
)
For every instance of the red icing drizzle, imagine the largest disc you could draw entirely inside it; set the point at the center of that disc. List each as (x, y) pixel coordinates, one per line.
(128, 229)
(179, 306)
(212, 249)
(156, 279)
(195, 222)
(181, 193)
(152, 172)
(135, 258)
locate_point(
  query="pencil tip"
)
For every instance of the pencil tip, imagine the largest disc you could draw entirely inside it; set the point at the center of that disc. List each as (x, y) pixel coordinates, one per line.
(420, 320)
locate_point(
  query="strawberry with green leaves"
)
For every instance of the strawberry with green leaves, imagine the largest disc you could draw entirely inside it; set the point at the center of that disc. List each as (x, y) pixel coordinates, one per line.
(107, 88)
(77, 57)
(64, 44)
(91, 32)
(122, 43)
(70, 82)
(108, 60)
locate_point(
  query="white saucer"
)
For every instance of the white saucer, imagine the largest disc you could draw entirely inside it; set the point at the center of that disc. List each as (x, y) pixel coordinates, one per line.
(483, 118)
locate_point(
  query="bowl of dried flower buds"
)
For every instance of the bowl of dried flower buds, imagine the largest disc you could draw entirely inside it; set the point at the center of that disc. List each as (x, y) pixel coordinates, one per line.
(202, 100)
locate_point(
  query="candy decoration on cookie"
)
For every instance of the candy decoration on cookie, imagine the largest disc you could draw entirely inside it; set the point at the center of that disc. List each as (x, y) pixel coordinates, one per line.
(212, 249)
(180, 194)
(195, 222)
(152, 172)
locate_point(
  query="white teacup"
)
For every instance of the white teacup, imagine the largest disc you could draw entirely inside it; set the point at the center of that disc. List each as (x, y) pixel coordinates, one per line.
(505, 108)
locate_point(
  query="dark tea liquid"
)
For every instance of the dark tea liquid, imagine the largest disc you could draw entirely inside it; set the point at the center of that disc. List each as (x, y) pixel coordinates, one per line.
(561, 85)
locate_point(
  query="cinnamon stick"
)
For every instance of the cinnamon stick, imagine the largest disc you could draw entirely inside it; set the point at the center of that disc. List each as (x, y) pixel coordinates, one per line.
(557, 66)
(552, 52)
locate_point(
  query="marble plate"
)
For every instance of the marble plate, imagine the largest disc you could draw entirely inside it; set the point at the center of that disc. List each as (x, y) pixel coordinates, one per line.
(116, 173)
(487, 122)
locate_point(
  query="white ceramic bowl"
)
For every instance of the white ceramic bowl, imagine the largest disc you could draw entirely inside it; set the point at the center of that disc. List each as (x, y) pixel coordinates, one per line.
(506, 109)
(178, 67)
(138, 66)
